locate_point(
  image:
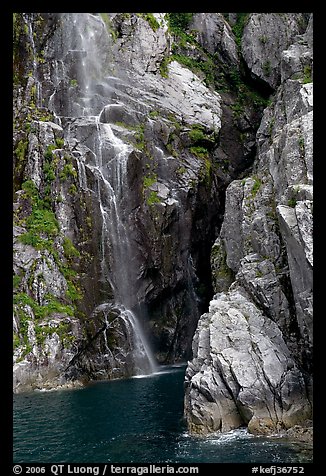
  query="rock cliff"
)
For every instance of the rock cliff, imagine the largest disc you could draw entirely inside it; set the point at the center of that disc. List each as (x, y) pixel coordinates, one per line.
(157, 162)
(252, 352)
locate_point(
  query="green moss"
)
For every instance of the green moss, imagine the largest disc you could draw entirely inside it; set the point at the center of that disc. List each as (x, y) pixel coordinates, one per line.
(307, 74)
(59, 142)
(197, 134)
(292, 202)
(21, 150)
(181, 170)
(178, 22)
(153, 23)
(52, 305)
(73, 293)
(205, 173)
(238, 27)
(256, 186)
(16, 341)
(154, 114)
(48, 155)
(68, 171)
(164, 70)
(207, 67)
(16, 280)
(49, 172)
(23, 299)
(139, 136)
(109, 26)
(70, 251)
(42, 225)
(200, 152)
(152, 198)
(301, 143)
(267, 68)
(149, 180)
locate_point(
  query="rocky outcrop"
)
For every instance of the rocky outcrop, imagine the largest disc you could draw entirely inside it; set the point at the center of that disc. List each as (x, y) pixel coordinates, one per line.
(265, 37)
(128, 129)
(119, 158)
(253, 350)
(242, 371)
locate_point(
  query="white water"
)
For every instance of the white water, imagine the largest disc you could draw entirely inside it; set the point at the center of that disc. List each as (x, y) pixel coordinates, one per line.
(109, 170)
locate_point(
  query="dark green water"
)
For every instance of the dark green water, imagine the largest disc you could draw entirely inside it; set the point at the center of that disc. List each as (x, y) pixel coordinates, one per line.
(130, 421)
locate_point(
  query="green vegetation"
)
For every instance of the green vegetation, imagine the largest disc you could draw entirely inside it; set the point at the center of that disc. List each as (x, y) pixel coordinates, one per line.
(178, 22)
(73, 83)
(149, 180)
(21, 149)
(140, 137)
(164, 70)
(149, 17)
(51, 305)
(42, 226)
(151, 195)
(70, 251)
(49, 173)
(198, 134)
(267, 68)
(205, 173)
(16, 280)
(109, 27)
(307, 74)
(198, 151)
(242, 20)
(294, 199)
(301, 144)
(68, 171)
(292, 202)
(196, 66)
(154, 114)
(59, 142)
(152, 198)
(256, 186)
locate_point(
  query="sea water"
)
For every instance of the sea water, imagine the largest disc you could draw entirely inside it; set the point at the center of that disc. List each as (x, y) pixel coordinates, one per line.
(137, 420)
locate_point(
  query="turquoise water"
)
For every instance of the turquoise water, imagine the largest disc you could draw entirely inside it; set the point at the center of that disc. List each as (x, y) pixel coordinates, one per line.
(130, 421)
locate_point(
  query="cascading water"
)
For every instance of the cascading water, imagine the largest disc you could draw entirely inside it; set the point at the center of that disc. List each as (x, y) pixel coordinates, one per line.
(108, 167)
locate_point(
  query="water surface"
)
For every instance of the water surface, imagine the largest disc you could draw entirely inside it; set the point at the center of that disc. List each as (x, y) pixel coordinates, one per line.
(131, 421)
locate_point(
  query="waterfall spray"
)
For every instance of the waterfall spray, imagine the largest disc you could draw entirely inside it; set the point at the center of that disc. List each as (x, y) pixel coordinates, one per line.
(84, 59)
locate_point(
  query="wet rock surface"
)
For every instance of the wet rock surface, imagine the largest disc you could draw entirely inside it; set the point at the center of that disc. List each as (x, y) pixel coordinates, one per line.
(262, 271)
(150, 177)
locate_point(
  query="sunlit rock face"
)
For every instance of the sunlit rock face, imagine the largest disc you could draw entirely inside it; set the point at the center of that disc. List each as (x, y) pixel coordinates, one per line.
(122, 158)
(152, 175)
(252, 352)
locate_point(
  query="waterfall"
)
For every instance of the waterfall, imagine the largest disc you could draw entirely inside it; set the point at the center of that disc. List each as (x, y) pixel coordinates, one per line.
(108, 167)
(30, 34)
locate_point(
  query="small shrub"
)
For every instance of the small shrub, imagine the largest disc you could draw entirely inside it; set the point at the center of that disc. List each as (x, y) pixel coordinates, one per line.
(256, 186)
(307, 74)
(152, 198)
(267, 68)
(70, 250)
(149, 180)
(153, 23)
(200, 152)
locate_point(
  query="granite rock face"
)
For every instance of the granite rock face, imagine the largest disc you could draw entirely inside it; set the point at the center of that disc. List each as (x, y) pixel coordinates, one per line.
(126, 136)
(252, 352)
(242, 371)
(265, 37)
(118, 158)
